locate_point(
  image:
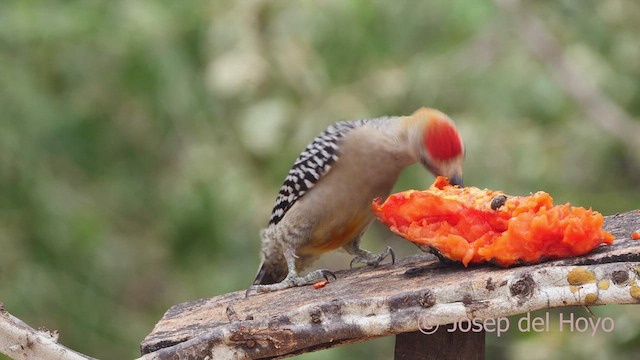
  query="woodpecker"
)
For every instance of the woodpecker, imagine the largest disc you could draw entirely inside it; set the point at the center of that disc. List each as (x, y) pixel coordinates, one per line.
(325, 201)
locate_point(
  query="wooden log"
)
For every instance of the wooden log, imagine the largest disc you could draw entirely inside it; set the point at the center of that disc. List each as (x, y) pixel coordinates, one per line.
(20, 341)
(414, 294)
(443, 344)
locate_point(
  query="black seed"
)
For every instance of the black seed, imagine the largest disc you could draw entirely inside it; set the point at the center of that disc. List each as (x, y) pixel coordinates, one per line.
(498, 202)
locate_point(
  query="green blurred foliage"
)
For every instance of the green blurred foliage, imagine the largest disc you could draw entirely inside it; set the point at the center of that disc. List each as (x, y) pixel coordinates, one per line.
(143, 142)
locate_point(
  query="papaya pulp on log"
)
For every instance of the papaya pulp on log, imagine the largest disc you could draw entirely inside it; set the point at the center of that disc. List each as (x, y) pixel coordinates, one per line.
(475, 226)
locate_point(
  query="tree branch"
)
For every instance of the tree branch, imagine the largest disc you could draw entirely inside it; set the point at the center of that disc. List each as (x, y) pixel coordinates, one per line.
(20, 341)
(415, 293)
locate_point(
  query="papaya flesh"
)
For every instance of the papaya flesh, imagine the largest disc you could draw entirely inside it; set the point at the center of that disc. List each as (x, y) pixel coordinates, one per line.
(472, 225)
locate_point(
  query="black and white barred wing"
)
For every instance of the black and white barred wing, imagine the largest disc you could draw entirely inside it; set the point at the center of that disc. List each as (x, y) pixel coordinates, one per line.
(312, 164)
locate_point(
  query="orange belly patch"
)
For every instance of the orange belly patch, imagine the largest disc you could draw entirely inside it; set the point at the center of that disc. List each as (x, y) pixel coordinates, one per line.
(322, 242)
(474, 226)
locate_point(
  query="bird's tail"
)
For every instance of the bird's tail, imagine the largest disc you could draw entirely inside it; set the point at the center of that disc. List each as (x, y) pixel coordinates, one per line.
(271, 273)
(274, 267)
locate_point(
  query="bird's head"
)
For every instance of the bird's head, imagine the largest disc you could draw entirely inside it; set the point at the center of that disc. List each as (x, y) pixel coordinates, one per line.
(439, 145)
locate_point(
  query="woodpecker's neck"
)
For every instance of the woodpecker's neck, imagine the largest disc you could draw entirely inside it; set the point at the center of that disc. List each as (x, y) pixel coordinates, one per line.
(393, 138)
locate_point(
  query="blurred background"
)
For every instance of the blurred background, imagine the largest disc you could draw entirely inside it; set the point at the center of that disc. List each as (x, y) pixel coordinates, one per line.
(142, 143)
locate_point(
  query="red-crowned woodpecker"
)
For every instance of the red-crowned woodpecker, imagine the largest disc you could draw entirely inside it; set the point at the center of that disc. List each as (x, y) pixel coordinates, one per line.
(325, 201)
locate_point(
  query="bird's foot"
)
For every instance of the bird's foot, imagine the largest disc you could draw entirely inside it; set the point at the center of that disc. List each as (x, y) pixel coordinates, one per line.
(293, 280)
(369, 258)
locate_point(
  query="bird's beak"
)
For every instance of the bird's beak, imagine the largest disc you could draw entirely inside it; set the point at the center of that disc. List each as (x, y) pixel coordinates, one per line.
(456, 179)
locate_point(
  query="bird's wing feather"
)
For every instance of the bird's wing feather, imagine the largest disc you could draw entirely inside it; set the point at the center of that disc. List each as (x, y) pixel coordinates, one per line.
(312, 164)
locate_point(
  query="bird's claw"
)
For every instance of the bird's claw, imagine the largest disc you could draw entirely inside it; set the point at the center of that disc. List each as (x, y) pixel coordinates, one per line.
(393, 255)
(292, 281)
(327, 274)
(252, 287)
(372, 259)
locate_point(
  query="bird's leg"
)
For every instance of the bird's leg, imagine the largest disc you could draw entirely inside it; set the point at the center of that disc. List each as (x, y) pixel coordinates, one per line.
(367, 257)
(293, 279)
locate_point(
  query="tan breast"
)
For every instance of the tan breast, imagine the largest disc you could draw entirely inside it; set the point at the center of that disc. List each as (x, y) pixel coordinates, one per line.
(339, 206)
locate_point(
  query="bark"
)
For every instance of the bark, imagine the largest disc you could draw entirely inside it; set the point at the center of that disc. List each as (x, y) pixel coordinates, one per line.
(20, 341)
(414, 294)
